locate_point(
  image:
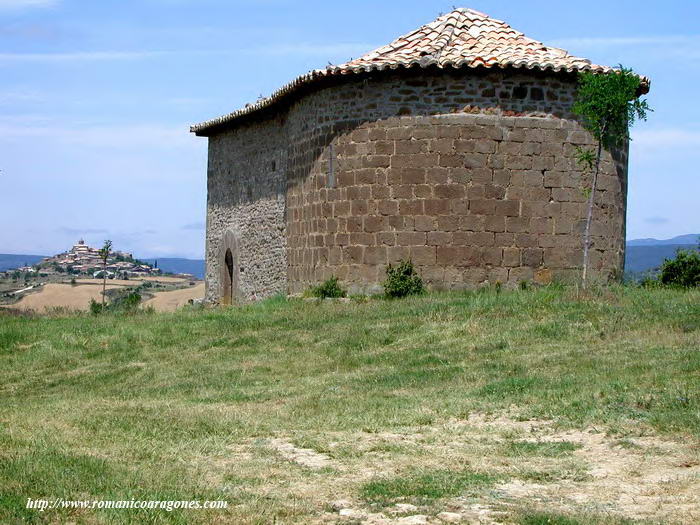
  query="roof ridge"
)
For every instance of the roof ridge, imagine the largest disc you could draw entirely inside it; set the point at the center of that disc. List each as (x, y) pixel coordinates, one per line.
(447, 42)
(474, 40)
(472, 11)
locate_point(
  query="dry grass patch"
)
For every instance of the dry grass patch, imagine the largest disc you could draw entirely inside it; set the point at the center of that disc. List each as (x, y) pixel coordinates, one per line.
(512, 407)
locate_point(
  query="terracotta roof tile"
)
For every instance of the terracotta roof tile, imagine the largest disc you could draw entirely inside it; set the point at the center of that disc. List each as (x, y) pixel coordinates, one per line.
(459, 39)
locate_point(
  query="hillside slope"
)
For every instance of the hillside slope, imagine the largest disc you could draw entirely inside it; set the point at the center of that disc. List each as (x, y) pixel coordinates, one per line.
(640, 259)
(522, 407)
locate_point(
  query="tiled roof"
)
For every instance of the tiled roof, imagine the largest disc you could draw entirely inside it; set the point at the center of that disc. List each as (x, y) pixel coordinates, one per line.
(461, 38)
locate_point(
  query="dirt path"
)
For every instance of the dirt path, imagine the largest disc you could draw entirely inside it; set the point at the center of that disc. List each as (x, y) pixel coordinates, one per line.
(162, 279)
(120, 282)
(172, 300)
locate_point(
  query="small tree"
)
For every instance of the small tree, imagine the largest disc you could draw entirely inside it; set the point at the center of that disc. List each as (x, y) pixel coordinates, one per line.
(402, 280)
(329, 289)
(608, 105)
(104, 254)
(683, 271)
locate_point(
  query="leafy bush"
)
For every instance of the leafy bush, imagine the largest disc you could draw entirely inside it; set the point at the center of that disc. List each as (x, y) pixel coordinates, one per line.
(649, 281)
(125, 302)
(328, 289)
(402, 280)
(95, 307)
(683, 271)
(130, 301)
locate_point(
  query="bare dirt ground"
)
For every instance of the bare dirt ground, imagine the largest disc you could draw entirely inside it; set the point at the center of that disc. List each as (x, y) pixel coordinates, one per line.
(640, 478)
(55, 295)
(135, 280)
(120, 282)
(174, 299)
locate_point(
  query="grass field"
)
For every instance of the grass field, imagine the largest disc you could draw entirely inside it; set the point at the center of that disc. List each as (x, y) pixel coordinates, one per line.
(526, 407)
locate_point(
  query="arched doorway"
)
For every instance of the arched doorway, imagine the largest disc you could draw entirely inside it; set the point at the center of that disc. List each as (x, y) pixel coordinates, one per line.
(229, 271)
(227, 285)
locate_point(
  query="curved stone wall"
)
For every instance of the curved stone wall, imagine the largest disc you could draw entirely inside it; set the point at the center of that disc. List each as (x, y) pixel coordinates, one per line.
(471, 175)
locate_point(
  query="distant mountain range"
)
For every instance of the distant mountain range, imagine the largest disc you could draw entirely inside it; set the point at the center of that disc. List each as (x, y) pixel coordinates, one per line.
(166, 264)
(640, 259)
(645, 255)
(642, 255)
(10, 261)
(691, 238)
(177, 265)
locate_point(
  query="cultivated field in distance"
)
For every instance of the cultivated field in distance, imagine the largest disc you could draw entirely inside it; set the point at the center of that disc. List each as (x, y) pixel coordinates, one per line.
(168, 294)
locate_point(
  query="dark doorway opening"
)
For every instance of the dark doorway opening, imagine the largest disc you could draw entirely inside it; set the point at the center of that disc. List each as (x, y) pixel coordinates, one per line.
(228, 278)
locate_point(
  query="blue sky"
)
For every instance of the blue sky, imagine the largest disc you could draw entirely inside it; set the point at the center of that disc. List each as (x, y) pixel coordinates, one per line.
(96, 98)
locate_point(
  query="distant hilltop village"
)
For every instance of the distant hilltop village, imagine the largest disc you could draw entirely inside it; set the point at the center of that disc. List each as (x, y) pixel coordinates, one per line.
(82, 259)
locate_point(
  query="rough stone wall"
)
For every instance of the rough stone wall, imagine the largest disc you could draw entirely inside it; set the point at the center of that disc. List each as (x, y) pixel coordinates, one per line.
(473, 178)
(246, 198)
(470, 174)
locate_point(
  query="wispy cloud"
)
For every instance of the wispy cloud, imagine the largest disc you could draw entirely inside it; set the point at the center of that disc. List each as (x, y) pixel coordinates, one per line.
(80, 56)
(22, 4)
(665, 138)
(186, 102)
(589, 42)
(656, 220)
(666, 48)
(37, 31)
(316, 50)
(329, 51)
(200, 225)
(94, 135)
(78, 231)
(18, 96)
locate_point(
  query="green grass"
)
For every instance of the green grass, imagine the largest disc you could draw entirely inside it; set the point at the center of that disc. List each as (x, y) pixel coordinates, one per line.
(545, 449)
(171, 406)
(418, 486)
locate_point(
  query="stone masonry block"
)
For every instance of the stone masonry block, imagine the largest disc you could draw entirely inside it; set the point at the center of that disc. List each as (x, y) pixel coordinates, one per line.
(495, 223)
(413, 176)
(424, 223)
(375, 255)
(492, 256)
(482, 206)
(388, 207)
(449, 191)
(375, 224)
(410, 238)
(532, 257)
(511, 257)
(458, 255)
(411, 207)
(438, 238)
(516, 224)
(507, 208)
(436, 207)
(353, 254)
(397, 253)
(423, 255)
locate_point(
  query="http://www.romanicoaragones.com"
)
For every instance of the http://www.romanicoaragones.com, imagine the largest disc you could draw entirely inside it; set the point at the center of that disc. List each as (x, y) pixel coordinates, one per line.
(167, 505)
